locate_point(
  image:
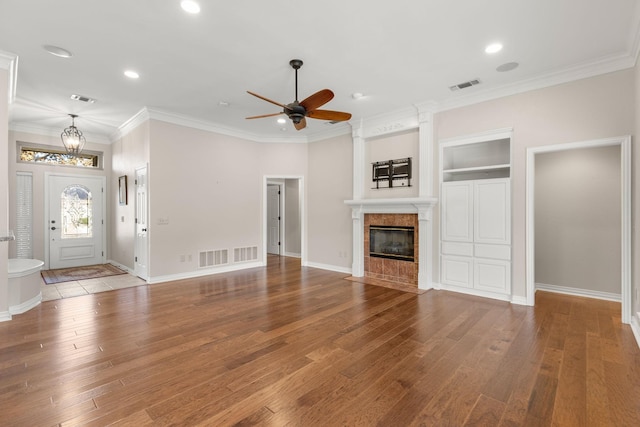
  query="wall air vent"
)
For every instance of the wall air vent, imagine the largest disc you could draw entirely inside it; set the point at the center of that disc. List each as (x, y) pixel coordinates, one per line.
(213, 258)
(464, 85)
(250, 253)
(82, 98)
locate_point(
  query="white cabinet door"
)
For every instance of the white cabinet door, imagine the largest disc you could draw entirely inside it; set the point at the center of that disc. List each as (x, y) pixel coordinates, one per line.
(492, 275)
(457, 271)
(457, 211)
(492, 211)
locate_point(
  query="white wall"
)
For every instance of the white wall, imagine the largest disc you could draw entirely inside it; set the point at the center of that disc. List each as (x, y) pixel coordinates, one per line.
(598, 107)
(578, 219)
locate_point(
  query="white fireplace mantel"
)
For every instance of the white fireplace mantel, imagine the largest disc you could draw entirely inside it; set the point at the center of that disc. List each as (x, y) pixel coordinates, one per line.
(423, 206)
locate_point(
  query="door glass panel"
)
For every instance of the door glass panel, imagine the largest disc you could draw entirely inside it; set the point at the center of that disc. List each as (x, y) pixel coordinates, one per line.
(76, 216)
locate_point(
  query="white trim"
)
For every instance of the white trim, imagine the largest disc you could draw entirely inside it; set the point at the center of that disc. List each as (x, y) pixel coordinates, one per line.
(626, 227)
(54, 132)
(518, 300)
(635, 327)
(5, 316)
(292, 254)
(9, 62)
(595, 68)
(204, 272)
(121, 266)
(587, 293)
(27, 305)
(336, 268)
(475, 292)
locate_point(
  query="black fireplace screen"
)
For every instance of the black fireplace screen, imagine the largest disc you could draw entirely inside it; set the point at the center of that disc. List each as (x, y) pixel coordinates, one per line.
(392, 242)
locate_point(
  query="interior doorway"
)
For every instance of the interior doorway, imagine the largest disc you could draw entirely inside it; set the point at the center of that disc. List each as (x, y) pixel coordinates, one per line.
(283, 214)
(624, 144)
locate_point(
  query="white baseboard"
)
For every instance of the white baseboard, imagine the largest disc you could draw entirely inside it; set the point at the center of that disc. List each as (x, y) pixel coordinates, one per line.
(329, 267)
(204, 272)
(27, 305)
(579, 292)
(475, 292)
(120, 266)
(293, 254)
(635, 327)
(519, 300)
(5, 316)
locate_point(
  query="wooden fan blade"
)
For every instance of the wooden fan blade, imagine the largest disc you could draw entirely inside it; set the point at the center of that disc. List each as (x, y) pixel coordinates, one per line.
(317, 100)
(337, 116)
(301, 125)
(264, 115)
(268, 100)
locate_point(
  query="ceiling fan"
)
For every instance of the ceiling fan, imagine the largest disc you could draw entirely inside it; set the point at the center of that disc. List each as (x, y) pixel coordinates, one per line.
(298, 111)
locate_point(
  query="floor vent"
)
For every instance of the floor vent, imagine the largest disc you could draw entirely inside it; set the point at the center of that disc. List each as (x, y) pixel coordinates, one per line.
(250, 253)
(464, 85)
(213, 258)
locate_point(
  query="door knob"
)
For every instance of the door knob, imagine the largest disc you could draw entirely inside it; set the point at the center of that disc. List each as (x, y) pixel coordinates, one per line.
(144, 229)
(53, 228)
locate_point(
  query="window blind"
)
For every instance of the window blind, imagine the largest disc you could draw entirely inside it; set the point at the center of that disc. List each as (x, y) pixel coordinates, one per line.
(24, 215)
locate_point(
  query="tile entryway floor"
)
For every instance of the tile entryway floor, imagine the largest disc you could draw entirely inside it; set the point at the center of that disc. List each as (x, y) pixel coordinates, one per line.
(89, 286)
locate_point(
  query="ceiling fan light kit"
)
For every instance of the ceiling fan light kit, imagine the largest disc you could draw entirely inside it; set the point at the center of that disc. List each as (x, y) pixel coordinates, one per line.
(299, 111)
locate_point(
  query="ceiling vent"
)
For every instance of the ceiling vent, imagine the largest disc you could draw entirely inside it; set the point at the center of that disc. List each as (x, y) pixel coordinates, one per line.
(464, 85)
(82, 98)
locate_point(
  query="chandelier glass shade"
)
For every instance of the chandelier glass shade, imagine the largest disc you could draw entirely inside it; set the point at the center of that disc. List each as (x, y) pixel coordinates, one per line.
(72, 138)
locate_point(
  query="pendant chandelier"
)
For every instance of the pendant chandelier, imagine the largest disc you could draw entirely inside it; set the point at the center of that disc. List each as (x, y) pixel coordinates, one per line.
(72, 138)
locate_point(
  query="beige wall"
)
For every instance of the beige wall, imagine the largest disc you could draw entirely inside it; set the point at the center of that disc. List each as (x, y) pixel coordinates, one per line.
(330, 183)
(391, 147)
(635, 175)
(209, 187)
(129, 152)
(578, 219)
(598, 107)
(38, 172)
(292, 236)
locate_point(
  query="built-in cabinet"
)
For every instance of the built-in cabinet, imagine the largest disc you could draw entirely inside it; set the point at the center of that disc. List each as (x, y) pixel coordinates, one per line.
(475, 246)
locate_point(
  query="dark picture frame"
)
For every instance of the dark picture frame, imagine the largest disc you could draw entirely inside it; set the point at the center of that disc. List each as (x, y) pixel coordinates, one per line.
(122, 190)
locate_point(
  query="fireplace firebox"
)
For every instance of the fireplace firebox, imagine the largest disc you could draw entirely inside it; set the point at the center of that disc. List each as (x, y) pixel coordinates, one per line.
(393, 242)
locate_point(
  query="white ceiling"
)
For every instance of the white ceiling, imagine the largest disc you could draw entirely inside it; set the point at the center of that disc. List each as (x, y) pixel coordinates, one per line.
(398, 54)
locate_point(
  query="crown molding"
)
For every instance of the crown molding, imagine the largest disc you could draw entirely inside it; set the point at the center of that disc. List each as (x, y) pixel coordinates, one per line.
(55, 132)
(331, 132)
(602, 66)
(9, 62)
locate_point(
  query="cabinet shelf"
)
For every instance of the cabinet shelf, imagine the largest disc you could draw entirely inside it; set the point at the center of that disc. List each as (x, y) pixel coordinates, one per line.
(477, 168)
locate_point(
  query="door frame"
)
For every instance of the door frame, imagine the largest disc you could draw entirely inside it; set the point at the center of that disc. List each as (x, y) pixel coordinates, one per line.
(281, 221)
(279, 179)
(105, 227)
(136, 271)
(626, 231)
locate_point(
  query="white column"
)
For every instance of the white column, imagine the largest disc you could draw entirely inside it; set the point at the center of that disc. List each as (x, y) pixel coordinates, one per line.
(425, 236)
(426, 138)
(357, 267)
(358, 162)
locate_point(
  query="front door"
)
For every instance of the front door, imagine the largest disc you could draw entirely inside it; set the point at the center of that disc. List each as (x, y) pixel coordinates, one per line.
(75, 225)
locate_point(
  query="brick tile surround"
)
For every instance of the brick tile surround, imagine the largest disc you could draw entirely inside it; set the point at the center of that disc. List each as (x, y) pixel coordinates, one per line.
(404, 272)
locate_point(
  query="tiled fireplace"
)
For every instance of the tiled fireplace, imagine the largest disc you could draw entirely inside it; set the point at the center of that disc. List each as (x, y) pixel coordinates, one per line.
(405, 212)
(392, 266)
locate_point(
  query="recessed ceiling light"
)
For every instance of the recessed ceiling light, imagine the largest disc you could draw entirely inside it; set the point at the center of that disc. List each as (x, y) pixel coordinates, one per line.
(282, 121)
(493, 48)
(131, 74)
(507, 67)
(357, 95)
(190, 6)
(57, 51)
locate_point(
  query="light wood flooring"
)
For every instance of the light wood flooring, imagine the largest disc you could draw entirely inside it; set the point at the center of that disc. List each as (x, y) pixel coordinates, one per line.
(292, 346)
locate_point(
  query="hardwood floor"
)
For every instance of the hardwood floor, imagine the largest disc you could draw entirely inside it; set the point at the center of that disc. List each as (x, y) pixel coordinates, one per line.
(291, 346)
